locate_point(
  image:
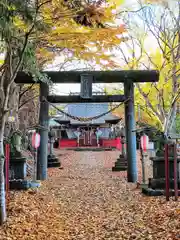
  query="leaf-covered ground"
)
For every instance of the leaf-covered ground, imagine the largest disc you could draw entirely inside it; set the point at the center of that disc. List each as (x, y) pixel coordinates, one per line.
(87, 201)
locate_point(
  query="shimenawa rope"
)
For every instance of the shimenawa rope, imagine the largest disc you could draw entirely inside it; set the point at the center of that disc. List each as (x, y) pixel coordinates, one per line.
(84, 119)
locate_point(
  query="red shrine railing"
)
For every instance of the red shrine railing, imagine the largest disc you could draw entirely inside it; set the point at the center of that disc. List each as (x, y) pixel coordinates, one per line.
(70, 143)
(65, 143)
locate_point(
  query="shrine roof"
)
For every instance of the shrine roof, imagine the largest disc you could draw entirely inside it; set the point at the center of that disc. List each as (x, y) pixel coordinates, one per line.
(53, 123)
(87, 110)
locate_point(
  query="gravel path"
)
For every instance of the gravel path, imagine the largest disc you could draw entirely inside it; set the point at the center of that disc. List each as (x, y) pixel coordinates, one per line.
(87, 201)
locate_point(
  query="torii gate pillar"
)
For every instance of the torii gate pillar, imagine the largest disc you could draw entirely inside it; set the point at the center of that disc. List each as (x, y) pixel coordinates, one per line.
(130, 133)
(44, 123)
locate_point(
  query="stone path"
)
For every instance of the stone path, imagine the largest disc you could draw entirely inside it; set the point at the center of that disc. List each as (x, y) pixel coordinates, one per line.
(87, 201)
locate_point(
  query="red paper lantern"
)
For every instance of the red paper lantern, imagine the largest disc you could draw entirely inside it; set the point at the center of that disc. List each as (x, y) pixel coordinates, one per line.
(35, 140)
(144, 142)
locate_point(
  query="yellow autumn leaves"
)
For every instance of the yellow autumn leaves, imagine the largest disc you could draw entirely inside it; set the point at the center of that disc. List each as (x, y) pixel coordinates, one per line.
(65, 32)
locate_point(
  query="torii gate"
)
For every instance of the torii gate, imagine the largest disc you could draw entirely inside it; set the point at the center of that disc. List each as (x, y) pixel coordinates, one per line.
(86, 79)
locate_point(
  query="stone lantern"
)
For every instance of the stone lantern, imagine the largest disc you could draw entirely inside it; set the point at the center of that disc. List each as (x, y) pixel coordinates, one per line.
(121, 162)
(17, 160)
(53, 161)
(18, 165)
(157, 183)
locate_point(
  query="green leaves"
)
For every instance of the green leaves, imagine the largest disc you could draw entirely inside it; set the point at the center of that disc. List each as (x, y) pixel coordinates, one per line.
(30, 64)
(177, 124)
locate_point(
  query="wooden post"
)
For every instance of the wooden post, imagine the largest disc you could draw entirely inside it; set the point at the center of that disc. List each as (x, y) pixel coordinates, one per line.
(7, 152)
(130, 133)
(167, 171)
(43, 121)
(175, 172)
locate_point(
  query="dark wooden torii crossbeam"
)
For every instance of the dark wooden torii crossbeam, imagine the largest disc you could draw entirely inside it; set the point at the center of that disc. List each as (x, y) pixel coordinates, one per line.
(98, 76)
(128, 77)
(78, 99)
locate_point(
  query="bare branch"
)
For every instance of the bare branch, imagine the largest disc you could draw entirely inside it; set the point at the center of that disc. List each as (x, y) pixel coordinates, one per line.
(149, 103)
(3, 66)
(22, 93)
(25, 102)
(131, 11)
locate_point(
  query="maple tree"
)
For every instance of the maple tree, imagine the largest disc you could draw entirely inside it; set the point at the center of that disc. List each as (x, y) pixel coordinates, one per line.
(156, 102)
(76, 31)
(34, 32)
(15, 45)
(162, 97)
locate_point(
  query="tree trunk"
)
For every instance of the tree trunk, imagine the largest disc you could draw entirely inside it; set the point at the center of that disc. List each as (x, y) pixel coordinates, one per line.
(2, 182)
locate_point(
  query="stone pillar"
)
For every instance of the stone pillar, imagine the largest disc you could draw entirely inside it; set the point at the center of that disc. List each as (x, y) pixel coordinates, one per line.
(146, 167)
(130, 133)
(43, 122)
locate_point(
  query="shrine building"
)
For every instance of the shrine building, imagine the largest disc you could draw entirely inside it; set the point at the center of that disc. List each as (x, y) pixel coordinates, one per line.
(78, 133)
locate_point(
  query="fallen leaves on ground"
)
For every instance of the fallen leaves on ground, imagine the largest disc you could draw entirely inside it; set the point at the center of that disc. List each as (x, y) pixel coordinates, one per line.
(87, 201)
